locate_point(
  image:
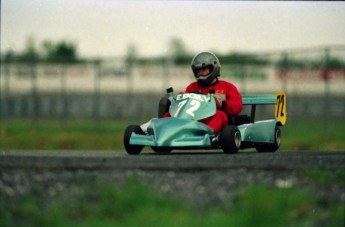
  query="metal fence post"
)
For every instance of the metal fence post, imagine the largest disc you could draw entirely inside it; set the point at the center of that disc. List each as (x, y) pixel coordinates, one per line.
(34, 96)
(63, 97)
(284, 70)
(168, 61)
(130, 64)
(5, 90)
(243, 79)
(96, 98)
(325, 76)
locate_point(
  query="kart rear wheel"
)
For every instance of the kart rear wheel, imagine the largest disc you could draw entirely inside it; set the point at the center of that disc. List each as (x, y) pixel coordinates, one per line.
(132, 149)
(270, 147)
(230, 139)
(161, 149)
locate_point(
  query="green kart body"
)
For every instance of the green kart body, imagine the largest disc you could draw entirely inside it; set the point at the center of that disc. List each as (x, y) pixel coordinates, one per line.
(174, 132)
(184, 131)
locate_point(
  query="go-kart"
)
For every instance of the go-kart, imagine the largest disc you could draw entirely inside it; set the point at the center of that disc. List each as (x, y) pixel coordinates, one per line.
(183, 130)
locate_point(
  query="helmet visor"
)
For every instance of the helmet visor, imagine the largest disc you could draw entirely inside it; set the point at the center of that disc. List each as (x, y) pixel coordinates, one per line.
(203, 71)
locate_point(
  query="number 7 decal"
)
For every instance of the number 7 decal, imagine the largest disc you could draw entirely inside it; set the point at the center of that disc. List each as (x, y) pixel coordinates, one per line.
(280, 107)
(180, 105)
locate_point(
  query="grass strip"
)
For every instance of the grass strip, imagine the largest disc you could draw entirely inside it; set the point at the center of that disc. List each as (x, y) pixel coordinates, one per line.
(108, 134)
(135, 204)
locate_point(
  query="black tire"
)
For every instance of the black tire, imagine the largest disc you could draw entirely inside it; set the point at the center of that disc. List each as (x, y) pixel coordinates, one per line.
(230, 139)
(163, 106)
(132, 149)
(161, 149)
(270, 147)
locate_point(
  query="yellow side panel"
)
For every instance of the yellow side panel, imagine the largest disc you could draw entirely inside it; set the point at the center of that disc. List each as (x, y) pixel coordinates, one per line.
(280, 107)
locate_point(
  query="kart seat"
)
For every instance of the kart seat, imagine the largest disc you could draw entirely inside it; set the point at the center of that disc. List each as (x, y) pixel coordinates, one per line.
(239, 120)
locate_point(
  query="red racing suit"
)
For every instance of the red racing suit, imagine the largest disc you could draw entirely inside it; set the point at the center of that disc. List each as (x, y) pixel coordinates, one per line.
(229, 102)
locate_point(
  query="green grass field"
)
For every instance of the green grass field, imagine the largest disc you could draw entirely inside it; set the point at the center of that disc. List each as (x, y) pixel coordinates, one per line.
(135, 204)
(108, 135)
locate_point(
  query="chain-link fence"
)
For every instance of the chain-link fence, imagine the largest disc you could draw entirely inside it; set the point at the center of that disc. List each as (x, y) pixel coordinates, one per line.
(314, 79)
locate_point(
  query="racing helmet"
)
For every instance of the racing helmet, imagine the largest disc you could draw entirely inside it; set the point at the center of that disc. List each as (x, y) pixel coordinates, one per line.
(206, 60)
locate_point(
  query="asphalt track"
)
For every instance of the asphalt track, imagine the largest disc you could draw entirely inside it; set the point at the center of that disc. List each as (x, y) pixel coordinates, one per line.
(175, 161)
(197, 176)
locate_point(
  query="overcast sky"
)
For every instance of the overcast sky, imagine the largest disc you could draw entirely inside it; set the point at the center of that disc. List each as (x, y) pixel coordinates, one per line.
(106, 28)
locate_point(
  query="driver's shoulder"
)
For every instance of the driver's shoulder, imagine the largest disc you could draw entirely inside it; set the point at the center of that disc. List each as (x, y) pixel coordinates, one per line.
(226, 84)
(192, 86)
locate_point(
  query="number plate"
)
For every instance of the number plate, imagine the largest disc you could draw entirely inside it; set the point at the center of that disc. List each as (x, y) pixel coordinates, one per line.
(280, 107)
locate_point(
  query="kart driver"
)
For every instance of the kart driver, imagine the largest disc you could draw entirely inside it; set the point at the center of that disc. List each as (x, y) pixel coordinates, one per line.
(206, 70)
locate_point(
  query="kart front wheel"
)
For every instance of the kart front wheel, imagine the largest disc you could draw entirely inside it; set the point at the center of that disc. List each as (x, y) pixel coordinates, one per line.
(132, 149)
(230, 139)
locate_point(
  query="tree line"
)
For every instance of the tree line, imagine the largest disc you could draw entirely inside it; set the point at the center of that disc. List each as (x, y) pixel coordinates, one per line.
(46, 51)
(178, 54)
